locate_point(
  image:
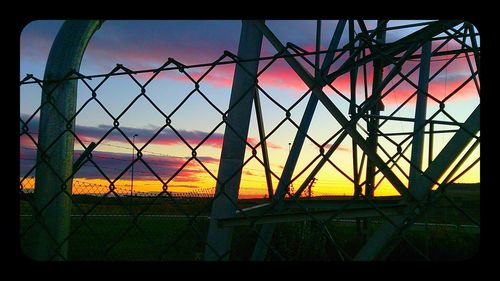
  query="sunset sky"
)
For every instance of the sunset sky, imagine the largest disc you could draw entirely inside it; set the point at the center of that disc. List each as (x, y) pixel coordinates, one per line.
(140, 45)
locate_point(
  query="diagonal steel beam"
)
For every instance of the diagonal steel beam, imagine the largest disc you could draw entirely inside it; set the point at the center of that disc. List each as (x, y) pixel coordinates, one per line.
(334, 43)
(263, 143)
(363, 39)
(83, 157)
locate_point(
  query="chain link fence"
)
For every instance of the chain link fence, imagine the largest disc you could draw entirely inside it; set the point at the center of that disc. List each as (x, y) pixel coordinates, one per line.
(109, 220)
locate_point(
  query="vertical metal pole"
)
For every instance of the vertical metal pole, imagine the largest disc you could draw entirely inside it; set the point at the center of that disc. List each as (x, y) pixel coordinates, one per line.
(431, 142)
(354, 72)
(357, 188)
(233, 148)
(352, 110)
(262, 136)
(132, 176)
(365, 76)
(477, 58)
(417, 148)
(317, 71)
(373, 121)
(55, 164)
(267, 230)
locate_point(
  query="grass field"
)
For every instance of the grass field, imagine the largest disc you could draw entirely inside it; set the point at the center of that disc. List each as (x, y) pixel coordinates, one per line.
(110, 232)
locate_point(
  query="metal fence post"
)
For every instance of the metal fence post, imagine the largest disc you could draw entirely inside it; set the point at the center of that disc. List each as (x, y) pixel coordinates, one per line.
(233, 148)
(417, 150)
(55, 143)
(373, 122)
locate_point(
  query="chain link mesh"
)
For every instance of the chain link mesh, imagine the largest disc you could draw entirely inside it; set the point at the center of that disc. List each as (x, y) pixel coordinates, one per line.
(109, 221)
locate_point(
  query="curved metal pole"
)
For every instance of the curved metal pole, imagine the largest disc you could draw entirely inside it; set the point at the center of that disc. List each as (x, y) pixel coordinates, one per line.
(55, 143)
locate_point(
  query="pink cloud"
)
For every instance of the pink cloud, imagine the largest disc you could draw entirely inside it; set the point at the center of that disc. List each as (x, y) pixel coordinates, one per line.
(279, 75)
(26, 141)
(438, 89)
(166, 137)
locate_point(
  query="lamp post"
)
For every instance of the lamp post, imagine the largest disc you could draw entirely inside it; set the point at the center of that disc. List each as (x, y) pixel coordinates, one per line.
(290, 186)
(132, 177)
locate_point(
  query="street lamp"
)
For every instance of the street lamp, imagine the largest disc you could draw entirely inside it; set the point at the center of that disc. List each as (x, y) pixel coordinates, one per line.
(133, 153)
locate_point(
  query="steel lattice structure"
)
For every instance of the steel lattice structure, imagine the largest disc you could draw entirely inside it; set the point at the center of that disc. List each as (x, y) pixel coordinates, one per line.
(367, 50)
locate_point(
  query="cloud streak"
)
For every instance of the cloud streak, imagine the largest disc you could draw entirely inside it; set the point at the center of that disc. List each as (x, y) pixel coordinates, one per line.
(166, 137)
(339, 148)
(114, 164)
